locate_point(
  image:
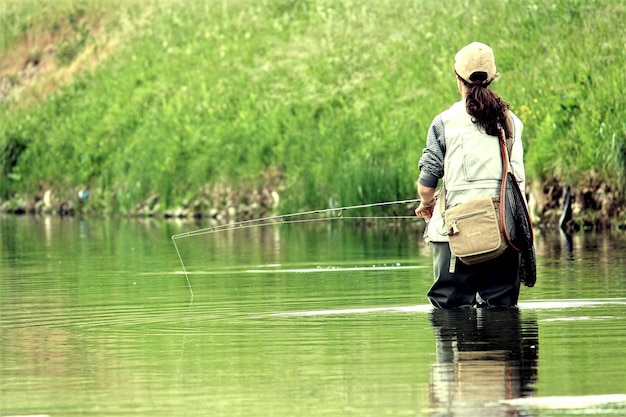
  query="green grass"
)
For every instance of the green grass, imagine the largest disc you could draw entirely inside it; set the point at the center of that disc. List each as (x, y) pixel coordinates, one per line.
(333, 97)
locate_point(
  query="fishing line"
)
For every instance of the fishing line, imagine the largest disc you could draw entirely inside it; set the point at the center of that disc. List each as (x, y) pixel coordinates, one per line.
(290, 218)
(180, 258)
(281, 218)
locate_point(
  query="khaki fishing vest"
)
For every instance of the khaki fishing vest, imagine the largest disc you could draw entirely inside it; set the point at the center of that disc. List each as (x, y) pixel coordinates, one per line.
(472, 164)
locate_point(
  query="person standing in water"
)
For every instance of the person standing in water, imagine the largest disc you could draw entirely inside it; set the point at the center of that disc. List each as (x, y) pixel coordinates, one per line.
(462, 148)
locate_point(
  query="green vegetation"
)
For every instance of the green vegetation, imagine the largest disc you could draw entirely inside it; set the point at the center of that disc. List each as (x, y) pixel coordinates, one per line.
(327, 100)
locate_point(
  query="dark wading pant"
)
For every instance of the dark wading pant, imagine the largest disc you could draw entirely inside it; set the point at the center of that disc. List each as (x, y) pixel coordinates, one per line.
(496, 281)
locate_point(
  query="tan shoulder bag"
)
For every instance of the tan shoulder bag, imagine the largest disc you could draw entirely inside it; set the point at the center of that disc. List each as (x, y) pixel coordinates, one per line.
(474, 228)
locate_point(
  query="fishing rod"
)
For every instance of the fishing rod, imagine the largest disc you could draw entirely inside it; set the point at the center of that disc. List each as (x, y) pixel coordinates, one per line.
(287, 219)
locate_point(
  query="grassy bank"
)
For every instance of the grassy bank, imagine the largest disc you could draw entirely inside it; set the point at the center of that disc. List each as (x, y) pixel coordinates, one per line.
(328, 101)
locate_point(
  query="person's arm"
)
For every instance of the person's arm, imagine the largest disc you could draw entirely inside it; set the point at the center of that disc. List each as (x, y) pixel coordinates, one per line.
(427, 194)
(431, 168)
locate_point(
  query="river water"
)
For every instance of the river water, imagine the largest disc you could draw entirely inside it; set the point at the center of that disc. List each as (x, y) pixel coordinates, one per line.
(98, 318)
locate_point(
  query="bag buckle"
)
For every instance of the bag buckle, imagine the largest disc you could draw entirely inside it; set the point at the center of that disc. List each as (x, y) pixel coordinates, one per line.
(453, 229)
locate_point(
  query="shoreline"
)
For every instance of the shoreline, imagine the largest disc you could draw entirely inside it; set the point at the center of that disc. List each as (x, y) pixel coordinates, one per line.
(591, 208)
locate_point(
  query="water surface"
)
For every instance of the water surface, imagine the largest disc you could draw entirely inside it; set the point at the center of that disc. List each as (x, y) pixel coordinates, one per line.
(98, 319)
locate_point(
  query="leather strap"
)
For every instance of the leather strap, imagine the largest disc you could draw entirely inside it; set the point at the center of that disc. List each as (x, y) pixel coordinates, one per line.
(506, 168)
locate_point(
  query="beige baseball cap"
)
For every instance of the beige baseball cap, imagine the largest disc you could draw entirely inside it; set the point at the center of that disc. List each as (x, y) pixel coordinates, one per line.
(476, 64)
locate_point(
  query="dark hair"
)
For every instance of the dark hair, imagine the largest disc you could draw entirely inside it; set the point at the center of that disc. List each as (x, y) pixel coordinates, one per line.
(487, 109)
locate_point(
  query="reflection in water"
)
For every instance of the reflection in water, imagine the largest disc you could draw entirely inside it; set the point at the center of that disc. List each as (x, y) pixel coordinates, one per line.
(483, 356)
(567, 246)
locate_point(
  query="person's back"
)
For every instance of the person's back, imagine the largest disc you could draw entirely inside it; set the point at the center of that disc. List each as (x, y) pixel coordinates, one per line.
(463, 149)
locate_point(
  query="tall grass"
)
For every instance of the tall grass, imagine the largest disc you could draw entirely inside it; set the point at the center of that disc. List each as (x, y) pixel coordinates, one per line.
(336, 96)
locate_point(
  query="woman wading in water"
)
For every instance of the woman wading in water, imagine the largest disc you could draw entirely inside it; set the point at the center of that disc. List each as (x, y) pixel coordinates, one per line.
(462, 148)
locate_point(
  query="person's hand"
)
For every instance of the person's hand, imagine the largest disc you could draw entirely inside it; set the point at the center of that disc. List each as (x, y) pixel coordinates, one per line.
(425, 210)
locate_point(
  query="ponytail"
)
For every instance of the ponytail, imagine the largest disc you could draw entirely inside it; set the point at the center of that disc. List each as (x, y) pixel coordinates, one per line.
(487, 109)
